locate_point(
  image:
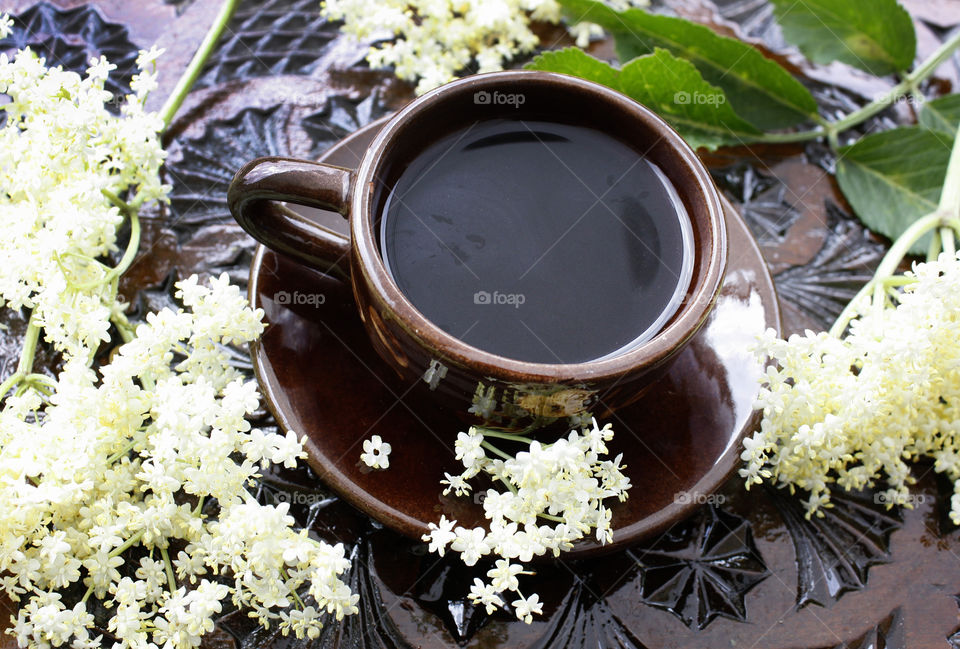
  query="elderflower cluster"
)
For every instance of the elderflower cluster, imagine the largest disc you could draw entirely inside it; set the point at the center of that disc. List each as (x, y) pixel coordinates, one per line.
(108, 483)
(555, 496)
(61, 154)
(434, 40)
(853, 411)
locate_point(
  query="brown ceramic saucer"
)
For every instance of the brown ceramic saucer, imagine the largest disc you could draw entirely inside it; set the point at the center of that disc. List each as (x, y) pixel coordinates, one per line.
(322, 379)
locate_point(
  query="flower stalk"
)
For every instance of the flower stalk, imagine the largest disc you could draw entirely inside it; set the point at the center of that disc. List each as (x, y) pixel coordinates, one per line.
(908, 85)
(944, 222)
(195, 67)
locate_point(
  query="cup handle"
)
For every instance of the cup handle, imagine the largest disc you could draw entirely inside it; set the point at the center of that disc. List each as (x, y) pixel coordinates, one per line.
(260, 183)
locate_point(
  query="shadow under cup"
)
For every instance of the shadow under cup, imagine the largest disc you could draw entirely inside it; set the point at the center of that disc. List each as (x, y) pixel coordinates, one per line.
(488, 388)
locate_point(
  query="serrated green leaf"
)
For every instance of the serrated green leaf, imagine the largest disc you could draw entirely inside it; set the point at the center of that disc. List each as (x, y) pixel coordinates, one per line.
(760, 90)
(700, 111)
(942, 114)
(668, 86)
(894, 177)
(873, 35)
(577, 63)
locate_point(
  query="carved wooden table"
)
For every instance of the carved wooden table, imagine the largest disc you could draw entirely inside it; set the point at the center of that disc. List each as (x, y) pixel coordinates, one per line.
(747, 572)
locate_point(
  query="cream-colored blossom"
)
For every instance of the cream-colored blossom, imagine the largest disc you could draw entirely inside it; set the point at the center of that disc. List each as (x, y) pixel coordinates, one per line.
(116, 458)
(63, 151)
(434, 41)
(851, 412)
(554, 497)
(152, 448)
(6, 25)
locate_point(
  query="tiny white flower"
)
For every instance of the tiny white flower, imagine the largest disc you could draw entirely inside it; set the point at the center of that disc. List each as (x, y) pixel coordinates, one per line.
(486, 595)
(527, 607)
(470, 543)
(440, 535)
(376, 453)
(455, 483)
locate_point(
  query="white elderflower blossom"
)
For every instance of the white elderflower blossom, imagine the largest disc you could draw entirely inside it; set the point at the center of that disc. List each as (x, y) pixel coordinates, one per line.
(66, 161)
(6, 25)
(852, 411)
(435, 40)
(554, 497)
(127, 455)
(376, 453)
(138, 450)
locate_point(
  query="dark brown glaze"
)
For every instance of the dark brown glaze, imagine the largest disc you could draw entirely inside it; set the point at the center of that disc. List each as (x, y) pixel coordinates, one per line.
(430, 361)
(260, 183)
(680, 438)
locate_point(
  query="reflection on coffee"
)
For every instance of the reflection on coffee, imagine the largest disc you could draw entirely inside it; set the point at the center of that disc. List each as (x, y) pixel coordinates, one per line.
(538, 241)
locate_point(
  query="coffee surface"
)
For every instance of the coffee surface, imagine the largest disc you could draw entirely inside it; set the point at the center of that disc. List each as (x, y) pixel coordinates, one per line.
(538, 241)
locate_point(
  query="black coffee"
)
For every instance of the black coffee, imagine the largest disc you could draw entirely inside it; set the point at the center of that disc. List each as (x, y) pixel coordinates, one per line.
(538, 241)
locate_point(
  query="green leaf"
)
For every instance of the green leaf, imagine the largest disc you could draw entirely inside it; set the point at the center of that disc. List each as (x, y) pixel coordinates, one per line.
(674, 89)
(873, 35)
(759, 89)
(894, 177)
(577, 63)
(942, 114)
(668, 86)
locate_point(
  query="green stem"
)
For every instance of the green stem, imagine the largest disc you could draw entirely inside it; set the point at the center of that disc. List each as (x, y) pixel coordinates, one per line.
(899, 280)
(490, 447)
(508, 484)
(933, 250)
(946, 217)
(509, 436)
(119, 454)
(171, 581)
(132, 247)
(948, 242)
(887, 267)
(123, 326)
(550, 517)
(195, 67)
(127, 544)
(293, 591)
(908, 85)
(27, 354)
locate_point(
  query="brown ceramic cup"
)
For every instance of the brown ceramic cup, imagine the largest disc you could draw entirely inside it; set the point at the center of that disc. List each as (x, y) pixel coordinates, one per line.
(481, 386)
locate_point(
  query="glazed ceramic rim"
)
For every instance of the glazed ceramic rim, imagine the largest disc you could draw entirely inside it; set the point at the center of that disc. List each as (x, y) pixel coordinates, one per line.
(687, 320)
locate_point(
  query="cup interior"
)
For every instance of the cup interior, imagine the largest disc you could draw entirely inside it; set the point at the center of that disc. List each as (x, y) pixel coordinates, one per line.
(566, 100)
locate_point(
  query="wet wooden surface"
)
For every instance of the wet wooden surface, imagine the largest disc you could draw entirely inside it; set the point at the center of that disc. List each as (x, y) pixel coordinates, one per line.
(746, 570)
